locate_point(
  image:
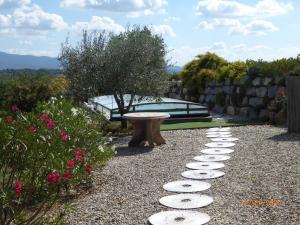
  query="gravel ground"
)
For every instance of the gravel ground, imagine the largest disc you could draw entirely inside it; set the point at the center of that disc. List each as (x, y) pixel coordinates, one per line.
(264, 167)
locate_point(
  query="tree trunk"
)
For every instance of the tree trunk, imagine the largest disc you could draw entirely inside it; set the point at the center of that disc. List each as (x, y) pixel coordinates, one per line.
(293, 104)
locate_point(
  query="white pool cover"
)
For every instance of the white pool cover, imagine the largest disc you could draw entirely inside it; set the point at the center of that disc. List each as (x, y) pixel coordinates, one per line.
(186, 201)
(179, 217)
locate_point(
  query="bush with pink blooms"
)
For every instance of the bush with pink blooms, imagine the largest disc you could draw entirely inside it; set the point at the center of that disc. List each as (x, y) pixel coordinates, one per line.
(43, 154)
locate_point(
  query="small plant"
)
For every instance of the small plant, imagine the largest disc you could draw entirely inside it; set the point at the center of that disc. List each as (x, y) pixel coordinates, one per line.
(42, 154)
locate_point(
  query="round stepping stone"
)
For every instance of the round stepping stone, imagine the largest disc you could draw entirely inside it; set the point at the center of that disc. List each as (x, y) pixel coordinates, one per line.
(179, 217)
(205, 165)
(219, 129)
(186, 186)
(211, 158)
(202, 174)
(217, 151)
(186, 201)
(220, 144)
(219, 135)
(224, 139)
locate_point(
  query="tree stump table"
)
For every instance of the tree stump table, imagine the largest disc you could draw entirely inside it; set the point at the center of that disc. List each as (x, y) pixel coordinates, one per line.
(146, 128)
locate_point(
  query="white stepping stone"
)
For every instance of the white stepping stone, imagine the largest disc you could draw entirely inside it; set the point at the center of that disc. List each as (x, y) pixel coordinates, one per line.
(211, 158)
(186, 201)
(179, 217)
(205, 165)
(202, 174)
(220, 144)
(225, 139)
(186, 186)
(217, 151)
(219, 129)
(219, 135)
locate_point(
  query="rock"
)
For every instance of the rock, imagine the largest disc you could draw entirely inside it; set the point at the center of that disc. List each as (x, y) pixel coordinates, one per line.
(214, 90)
(244, 111)
(219, 109)
(256, 102)
(251, 91)
(253, 115)
(245, 101)
(210, 98)
(207, 90)
(263, 115)
(230, 110)
(256, 81)
(261, 92)
(201, 98)
(267, 81)
(243, 80)
(272, 91)
(227, 100)
(193, 99)
(227, 89)
(228, 82)
(184, 91)
(212, 83)
(280, 80)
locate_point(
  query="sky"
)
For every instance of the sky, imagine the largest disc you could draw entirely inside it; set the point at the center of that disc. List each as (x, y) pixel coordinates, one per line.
(234, 29)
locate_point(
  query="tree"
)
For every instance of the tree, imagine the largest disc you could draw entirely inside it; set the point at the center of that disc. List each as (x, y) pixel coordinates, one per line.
(131, 63)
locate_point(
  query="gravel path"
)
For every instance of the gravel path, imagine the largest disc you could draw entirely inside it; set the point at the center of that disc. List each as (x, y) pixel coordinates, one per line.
(264, 166)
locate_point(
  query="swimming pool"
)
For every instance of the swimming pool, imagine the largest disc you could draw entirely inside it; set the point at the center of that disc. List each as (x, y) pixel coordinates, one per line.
(176, 108)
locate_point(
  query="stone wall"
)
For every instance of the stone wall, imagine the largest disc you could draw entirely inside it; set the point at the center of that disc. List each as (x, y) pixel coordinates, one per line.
(251, 98)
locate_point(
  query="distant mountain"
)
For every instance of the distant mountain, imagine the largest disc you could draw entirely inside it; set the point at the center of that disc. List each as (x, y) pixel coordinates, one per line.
(13, 61)
(174, 69)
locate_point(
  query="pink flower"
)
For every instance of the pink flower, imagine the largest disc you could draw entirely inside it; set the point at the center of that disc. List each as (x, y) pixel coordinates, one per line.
(44, 117)
(70, 164)
(50, 124)
(64, 136)
(53, 177)
(32, 129)
(67, 175)
(88, 169)
(14, 107)
(18, 187)
(9, 120)
(78, 155)
(83, 152)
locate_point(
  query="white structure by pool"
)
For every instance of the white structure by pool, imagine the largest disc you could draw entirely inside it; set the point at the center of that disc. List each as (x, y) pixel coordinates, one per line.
(176, 108)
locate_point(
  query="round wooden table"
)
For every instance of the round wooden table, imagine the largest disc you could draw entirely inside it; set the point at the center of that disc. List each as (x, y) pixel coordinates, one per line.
(146, 128)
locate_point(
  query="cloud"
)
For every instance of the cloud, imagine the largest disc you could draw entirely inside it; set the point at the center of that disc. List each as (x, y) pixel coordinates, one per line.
(22, 51)
(256, 27)
(30, 20)
(98, 23)
(25, 42)
(231, 8)
(184, 54)
(165, 30)
(11, 4)
(135, 8)
(219, 22)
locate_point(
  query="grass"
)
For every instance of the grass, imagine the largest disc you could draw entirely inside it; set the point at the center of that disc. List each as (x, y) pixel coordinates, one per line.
(194, 125)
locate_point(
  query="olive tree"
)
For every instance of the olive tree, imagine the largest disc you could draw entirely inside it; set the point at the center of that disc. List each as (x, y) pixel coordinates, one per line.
(131, 63)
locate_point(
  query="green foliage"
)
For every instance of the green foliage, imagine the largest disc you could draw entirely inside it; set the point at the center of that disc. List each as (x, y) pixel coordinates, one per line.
(196, 73)
(232, 71)
(27, 90)
(42, 153)
(295, 72)
(132, 62)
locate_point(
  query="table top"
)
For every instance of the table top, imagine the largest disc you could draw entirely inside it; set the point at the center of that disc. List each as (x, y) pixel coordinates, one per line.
(146, 115)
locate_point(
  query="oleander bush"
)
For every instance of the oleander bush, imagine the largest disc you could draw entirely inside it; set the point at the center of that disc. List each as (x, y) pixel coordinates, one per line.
(43, 154)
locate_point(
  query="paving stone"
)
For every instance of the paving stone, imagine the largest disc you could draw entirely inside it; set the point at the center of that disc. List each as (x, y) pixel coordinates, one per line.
(186, 186)
(211, 158)
(217, 151)
(205, 165)
(220, 144)
(202, 174)
(186, 201)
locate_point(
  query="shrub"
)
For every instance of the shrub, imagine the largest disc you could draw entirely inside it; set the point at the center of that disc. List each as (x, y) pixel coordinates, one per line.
(295, 72)
(43, 153)
(232, 71)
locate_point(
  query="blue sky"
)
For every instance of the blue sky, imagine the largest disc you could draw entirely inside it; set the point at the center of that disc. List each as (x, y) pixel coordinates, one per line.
(235, 29)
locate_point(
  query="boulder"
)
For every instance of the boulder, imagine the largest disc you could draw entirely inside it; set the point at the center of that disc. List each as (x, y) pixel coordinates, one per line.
(263, 115)
(201, 98)
(256, 102)
(245, 101)
(207, 90)
(256, 81)
(219, 109)
(244, 111)
(230, 110)
(184, 91)
(210, 98)
(253, 115)
(251, 91)
(272, 90)
(267, 81)
(227, 89)
(261, 92)
(228, 82)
